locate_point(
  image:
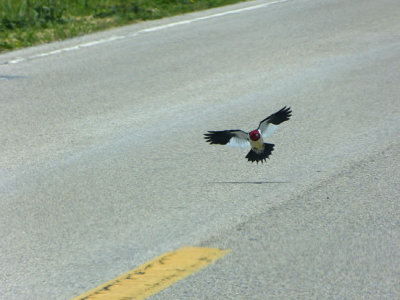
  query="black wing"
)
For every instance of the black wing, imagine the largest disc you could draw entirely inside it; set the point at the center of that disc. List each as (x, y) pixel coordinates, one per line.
(235, 138)
(269, 124)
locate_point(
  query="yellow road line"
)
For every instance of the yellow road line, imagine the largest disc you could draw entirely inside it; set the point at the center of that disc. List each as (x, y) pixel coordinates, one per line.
(156, 275)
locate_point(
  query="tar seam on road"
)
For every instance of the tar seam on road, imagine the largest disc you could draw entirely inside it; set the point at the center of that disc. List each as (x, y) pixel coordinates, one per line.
(248, 182)
(152, 29)
(156, 275)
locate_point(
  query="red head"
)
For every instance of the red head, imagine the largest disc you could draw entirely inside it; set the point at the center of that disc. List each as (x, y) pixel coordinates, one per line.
(255, 135)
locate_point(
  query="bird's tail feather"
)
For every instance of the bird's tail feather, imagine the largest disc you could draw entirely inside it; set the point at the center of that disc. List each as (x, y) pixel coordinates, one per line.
(260, 155)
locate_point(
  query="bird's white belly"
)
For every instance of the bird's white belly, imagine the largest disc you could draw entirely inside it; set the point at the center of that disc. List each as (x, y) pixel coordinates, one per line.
(259, 144)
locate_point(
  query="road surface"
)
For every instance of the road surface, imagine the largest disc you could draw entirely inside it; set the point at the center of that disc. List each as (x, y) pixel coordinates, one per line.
(104, 166)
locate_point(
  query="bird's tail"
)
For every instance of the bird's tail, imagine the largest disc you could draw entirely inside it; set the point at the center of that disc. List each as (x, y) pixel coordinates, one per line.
(260, 155)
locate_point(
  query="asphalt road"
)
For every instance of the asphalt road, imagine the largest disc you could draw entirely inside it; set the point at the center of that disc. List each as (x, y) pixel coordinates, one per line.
(104, 166)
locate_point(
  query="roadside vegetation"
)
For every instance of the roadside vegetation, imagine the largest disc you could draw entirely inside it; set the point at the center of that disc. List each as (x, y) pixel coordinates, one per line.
(25, 23)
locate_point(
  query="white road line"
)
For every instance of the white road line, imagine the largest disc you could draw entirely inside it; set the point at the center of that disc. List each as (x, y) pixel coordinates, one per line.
(68, 49)
(147, 30)
(230, 12)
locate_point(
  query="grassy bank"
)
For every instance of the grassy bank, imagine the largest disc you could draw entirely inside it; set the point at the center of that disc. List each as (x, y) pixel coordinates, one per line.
(25, 23)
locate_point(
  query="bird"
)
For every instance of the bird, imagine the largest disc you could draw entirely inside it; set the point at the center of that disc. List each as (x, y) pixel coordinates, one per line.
(260, 150)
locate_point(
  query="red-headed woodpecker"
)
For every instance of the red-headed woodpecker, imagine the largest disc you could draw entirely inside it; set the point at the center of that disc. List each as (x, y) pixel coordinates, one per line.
(260, 151)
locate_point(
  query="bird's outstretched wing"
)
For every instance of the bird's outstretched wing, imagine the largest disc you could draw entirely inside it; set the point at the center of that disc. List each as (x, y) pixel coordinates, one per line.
(270, 124)
(234, 138)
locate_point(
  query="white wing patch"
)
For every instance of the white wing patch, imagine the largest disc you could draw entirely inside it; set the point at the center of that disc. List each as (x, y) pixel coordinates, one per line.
(238, 142)
(269, 130)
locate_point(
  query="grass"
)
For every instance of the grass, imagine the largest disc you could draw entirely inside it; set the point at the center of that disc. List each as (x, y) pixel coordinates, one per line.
(25, 23)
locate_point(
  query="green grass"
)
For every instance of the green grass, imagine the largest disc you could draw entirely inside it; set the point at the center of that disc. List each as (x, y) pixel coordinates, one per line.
(25, 23)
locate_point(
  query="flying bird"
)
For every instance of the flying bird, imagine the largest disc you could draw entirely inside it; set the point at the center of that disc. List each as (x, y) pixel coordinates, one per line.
(260, 151)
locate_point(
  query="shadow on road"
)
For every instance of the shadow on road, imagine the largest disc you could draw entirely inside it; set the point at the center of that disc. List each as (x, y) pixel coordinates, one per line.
(248, 182)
